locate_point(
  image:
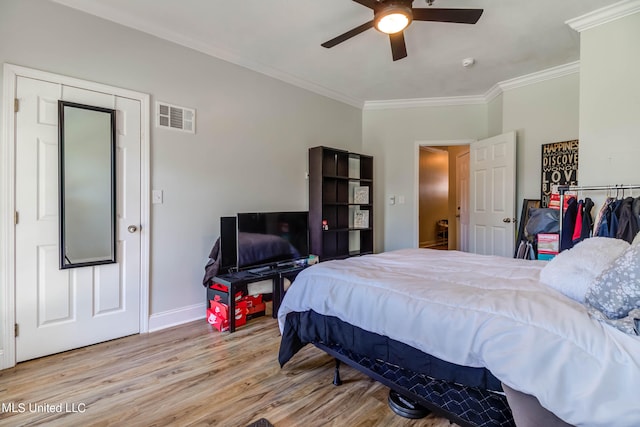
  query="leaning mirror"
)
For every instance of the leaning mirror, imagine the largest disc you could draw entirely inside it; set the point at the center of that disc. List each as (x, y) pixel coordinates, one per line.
(87, 185)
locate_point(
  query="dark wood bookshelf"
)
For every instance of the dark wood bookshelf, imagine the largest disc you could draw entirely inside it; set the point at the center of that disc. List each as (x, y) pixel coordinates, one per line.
(334, 175)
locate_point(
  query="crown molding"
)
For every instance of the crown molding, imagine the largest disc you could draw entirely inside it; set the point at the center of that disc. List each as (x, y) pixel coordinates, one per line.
(615, 11)
(493, 93)
(490, 95)
(424, 102)
(604, 15)
(540, 76)
(126, 20)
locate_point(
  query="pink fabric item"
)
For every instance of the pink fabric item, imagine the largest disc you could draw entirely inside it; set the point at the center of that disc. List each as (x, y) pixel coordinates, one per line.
(577, 230)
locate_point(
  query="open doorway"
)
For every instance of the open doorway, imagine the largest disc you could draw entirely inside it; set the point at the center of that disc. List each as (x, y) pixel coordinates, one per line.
(443, 197)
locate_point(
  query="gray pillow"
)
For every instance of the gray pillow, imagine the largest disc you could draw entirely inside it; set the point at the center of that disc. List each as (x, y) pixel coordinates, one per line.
(616, 291)
(630, 324)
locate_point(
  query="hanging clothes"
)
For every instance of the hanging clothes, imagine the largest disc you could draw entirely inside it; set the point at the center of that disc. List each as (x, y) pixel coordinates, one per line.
(587, 219)
(577, 228)
(568, 224)
(602, 213)
(615, 214)
(627, 222)
(635, 208)
(609, 221)
(619, 217)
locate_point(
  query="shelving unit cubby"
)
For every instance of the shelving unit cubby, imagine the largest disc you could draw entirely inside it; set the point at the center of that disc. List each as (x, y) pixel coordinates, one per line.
(334, 176)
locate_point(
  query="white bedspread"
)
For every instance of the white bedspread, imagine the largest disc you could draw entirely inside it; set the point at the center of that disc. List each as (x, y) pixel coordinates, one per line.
(485, 311)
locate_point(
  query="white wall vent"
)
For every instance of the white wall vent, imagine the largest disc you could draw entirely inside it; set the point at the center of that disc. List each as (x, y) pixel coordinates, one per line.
(174, 117)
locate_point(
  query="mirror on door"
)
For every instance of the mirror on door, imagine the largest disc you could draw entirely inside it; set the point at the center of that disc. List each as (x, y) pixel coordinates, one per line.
(87, 185)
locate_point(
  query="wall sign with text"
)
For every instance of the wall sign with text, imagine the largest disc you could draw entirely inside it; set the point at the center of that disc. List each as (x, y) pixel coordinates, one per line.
(559, 167)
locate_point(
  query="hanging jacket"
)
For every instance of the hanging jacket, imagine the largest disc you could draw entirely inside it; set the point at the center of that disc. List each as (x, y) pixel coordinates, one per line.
(609, 223)
(627, 222)
(587, 219)
(635, 208)
(615, 214)
(602, 216)
(577, 228)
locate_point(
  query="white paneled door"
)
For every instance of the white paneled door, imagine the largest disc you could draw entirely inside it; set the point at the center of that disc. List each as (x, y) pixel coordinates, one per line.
(462, 195)
(57, 310)
(492, 220)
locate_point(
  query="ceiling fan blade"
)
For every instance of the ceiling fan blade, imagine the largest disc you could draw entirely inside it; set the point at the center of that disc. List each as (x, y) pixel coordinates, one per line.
(460, 16)
(347, 35)
(371, 4)
(398, 46)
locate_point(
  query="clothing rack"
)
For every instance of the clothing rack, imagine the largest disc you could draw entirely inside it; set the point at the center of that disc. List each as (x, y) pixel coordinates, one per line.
(562, 189)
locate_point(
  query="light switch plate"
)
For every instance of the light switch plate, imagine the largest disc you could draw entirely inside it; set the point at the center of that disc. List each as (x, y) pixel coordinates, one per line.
(156, 197)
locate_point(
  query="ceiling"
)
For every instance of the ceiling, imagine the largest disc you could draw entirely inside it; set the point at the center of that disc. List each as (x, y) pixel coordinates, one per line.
(281, 38)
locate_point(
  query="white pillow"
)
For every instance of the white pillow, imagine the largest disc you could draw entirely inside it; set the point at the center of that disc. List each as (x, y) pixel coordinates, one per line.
(572, 271)
(636, 240)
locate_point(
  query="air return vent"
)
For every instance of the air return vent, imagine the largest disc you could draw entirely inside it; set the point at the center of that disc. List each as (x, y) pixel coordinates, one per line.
(174, 117)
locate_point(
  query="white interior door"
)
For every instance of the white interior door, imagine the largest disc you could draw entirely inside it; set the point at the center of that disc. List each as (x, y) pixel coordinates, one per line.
(462, 194)
(57, 310)
(492, 220)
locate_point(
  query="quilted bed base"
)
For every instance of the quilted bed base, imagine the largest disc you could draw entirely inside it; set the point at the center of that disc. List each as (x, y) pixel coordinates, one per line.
(464, 405)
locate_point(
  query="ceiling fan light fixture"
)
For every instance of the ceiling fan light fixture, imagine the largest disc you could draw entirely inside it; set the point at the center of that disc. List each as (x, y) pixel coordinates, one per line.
(393, 19)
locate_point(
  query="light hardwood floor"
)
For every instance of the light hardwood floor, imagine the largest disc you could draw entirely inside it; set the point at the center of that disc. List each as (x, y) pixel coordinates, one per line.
(193, 375)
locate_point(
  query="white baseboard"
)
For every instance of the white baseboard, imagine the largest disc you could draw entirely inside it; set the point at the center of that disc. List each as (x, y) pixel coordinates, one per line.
(176, 317)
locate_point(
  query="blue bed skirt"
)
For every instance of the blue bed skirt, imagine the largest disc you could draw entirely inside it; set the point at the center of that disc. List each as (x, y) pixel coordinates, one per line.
(465, 395)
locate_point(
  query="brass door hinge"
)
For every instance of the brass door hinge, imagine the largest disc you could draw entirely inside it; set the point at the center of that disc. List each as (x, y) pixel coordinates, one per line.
(16, 105)
(16, 331)
(17, 217)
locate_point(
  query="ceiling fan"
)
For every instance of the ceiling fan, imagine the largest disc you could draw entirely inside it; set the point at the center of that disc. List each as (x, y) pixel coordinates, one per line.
(393, 16)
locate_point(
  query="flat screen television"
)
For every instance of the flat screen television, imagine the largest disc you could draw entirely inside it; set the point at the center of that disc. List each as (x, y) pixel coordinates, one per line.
(268, 238)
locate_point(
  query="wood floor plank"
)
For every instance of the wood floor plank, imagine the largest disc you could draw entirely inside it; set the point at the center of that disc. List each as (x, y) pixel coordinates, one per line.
(193, 375)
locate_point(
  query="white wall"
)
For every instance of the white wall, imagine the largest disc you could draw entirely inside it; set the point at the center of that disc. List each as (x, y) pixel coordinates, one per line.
(391, 136)
(494, 113)
(249, 152)
(599, 106)
(610, 103)
(540, 113)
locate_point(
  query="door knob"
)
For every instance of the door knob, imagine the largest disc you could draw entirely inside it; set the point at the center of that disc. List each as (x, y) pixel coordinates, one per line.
(506, 219)
(132, 228)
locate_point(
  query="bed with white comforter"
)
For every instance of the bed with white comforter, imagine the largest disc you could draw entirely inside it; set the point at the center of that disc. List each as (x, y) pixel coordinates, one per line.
(484, 311)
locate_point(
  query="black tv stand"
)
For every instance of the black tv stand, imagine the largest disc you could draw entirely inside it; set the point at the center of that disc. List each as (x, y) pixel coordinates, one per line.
(259, 270)
(238, 281)
(286, 265)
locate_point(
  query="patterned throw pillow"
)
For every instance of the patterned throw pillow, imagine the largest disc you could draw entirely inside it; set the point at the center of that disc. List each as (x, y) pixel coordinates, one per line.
(616, 291)
(572, 271)
(629, 324)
